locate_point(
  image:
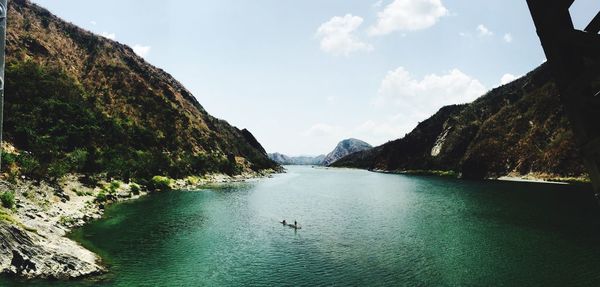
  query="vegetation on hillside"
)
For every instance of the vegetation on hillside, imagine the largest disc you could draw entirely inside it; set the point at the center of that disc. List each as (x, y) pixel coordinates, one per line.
(517, 129)
(53, 119)
(80, 103)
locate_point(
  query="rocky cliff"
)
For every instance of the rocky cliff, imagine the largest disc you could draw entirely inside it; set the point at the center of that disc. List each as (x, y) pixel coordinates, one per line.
(344, 148)
(518, 129)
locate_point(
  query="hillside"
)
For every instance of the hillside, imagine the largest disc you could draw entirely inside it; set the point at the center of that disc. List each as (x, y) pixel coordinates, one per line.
(344, 148)
(518, 129)
(78, 102)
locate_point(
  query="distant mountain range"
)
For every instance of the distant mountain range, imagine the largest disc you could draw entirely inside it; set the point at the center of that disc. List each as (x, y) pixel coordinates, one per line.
(296, 160)
(342, 149)
(518, 129)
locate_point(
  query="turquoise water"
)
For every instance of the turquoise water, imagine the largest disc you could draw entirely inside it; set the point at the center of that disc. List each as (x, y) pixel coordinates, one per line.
(359, 228)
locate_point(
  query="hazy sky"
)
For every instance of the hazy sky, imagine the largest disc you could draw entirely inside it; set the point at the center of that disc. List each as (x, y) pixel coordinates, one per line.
(302, 75)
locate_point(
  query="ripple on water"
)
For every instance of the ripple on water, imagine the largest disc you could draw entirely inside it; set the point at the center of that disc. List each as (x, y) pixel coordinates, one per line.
(359, 228)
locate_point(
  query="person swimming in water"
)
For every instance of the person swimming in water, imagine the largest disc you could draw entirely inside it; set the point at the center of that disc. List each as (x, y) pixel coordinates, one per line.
(284, 222)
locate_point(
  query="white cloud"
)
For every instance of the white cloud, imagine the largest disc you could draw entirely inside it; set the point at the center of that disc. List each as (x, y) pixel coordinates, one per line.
(141, 50)
(378, 4)
(375, 131)
(337, 35)
(411, 101)
(508, 38)
(380, 131)
(408, 15)
(483, 31)
(402, 103)
(107, 35)
(94, 23)
(507, 78)
(322, 130)
(421, 98)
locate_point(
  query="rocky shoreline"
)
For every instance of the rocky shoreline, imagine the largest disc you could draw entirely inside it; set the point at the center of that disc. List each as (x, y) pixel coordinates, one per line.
(530, 177)
(33, 242)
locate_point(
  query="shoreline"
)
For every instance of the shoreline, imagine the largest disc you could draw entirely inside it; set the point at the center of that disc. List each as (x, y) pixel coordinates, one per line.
(511, 177)
(33, 234)
(530, 180)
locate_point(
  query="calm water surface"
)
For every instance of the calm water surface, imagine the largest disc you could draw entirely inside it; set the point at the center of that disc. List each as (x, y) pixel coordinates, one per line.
(359, 228)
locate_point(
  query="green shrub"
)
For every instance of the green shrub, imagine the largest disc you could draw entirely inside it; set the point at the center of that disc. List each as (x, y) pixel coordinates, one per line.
(58, 169)
(90, 181)
(66, 220)
(101, 197)
(135, 188)
(161, 183)
(77, 159)
(28, 164)
(78, 192)
(192, 180)
(8, 199)
(8, 158)
(5, 217)
(114, 186)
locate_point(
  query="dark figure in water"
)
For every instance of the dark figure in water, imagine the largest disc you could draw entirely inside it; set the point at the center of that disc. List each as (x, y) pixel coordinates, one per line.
(283, 222)
(295, 223)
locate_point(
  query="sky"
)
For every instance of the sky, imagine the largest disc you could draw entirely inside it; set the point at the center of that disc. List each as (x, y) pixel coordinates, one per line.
(303, 75)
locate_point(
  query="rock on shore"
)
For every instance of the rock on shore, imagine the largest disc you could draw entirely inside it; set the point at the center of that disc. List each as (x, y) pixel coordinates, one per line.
(32, 237)
(30, 255)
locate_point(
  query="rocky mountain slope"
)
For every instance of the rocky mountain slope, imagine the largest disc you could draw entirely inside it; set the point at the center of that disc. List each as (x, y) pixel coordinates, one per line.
(344, 148)
(296, 160)
(78, 102)
(519, 129)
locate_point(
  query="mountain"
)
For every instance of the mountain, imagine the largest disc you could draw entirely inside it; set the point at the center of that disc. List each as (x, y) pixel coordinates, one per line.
(78, 102)
(296, 160)
(518, 129)
(344, 148)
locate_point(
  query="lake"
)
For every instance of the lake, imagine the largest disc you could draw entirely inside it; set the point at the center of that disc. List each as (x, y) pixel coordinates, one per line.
(358, 228)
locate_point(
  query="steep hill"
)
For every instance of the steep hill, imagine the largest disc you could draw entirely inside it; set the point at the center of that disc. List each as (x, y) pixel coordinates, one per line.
(344, 148)
(79, 102)
(517, 129)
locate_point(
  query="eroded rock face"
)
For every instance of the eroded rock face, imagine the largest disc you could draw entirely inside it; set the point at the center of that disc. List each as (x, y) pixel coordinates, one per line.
(344, 148)
(439, 143)
(29, 255)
